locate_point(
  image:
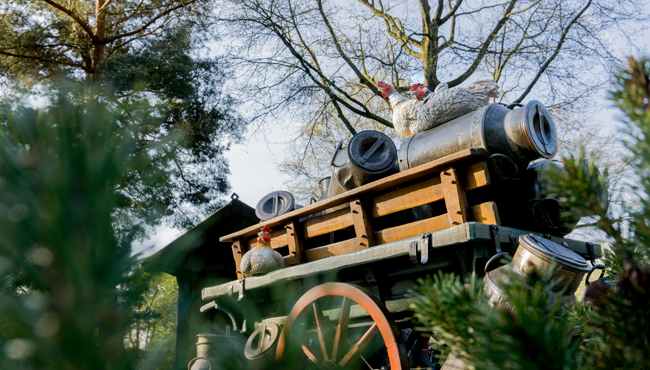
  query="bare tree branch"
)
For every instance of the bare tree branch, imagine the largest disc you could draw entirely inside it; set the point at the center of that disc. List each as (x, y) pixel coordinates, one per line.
(484, 47)
(554, 55)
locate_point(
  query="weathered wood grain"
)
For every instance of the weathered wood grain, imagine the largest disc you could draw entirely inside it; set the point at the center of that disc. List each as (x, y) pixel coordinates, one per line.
(278, 240)
(238, 250)
(412, 229)
(415, 195)
(455, 199)
(295, 244)
(331, 250)
(373, 187)
(485, 213)
(477, 176)
(467, 232)
(362, 227)
(327, 223)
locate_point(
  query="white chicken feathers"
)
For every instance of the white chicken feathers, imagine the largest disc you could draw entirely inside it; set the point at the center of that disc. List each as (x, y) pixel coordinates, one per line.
(411, 116)
(445, 104)
(404, 110)
(483, 90)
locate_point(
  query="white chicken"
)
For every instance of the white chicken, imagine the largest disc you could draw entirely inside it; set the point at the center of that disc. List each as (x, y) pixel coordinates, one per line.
(483, 90)
(445, 104)
(404, 110)
(262, 258)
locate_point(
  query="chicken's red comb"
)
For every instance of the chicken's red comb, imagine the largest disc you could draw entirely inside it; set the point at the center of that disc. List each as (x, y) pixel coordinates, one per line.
(416, 86)
(381, 84)
(266, 229)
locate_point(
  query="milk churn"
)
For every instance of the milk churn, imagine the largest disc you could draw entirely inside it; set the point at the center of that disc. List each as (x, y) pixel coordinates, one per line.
(528, 204)
(538, 254)
(213, 347)
(369, 156)
(324, 185)
(512, 138)
(275, 204)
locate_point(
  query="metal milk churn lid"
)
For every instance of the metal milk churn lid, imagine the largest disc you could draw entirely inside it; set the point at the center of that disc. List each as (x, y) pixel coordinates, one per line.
(536, 254)
(275, 204)
(370, 155)
(372, 152)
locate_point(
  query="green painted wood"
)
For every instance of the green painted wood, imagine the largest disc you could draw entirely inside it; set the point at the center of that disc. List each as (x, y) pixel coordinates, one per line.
(482, 231)
(460, 234)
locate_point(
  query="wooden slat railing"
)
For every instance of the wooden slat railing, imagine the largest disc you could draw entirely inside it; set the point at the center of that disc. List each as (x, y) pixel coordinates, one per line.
(381, 198)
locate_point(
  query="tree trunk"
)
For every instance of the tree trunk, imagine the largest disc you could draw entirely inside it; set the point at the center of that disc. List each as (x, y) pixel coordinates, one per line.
(100, 31)
(430, 57)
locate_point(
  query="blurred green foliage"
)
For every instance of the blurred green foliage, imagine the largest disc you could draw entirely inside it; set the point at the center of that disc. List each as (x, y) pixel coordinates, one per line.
(177, 101)
(150, 57)
(533, 331)
(150, 337)
(66, 276)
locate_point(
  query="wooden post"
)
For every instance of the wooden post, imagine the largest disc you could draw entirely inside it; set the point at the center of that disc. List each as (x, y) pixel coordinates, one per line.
(183, 340)
(455, 199)
(238, 250)
(362, 226)
(295, 244)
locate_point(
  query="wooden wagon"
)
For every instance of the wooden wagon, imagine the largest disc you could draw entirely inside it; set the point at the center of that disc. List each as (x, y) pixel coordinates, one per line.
(344, 303)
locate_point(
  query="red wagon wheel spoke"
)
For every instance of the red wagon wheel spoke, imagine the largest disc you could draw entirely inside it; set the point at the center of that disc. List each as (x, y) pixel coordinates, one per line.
(321, 329)
(342, 328)
(310, 352)
(337, 337)
(359, 346)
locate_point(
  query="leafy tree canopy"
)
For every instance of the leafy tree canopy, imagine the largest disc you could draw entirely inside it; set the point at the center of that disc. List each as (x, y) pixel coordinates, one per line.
(147, 55)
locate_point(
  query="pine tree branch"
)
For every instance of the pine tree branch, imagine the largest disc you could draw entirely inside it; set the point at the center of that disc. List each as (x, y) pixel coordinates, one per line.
(43, 60)
(150, 22)
(75, 17)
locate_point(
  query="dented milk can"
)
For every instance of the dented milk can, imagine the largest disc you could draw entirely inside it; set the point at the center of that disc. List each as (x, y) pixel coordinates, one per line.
(211, 348)
(512, 138)
(528, 203)
(537, 254)
(369, 156)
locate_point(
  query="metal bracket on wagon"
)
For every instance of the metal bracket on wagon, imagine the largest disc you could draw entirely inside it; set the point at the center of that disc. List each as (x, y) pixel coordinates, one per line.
(497, 238)
(241, 289)
(424, 250)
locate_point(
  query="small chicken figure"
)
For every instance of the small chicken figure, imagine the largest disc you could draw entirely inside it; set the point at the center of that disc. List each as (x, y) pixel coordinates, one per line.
(262, 258)
(445, 104)
(404, 110)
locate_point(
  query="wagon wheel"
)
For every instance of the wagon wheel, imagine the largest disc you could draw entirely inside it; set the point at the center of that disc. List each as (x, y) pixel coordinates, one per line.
(333, 349)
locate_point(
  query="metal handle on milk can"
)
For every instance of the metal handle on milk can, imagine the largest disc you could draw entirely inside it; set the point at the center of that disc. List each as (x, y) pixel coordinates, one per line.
(189, 366)
(494, 258)
(598, 266)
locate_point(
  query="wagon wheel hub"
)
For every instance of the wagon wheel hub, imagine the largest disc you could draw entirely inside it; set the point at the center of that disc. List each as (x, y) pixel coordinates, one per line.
(329, 365)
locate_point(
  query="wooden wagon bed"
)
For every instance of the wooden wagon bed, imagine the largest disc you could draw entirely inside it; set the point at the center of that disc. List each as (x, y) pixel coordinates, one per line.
(447, 179)
(355, 258)
(479, 237)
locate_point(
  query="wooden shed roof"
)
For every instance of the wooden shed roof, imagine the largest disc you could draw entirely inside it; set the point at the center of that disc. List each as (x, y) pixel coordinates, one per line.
(192, 249)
